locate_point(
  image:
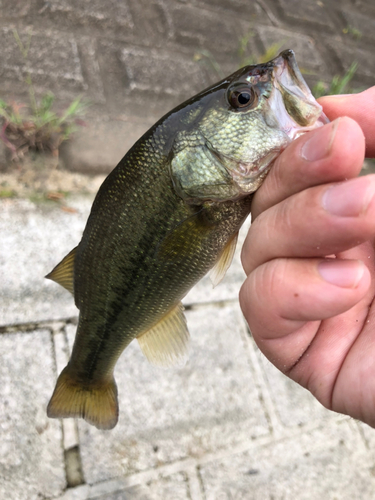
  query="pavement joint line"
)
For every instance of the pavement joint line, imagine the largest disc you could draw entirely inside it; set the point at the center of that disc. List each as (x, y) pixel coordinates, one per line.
(363, 435)
(30, 326)
(195, 484)
(188, 464)
(275, 425)
(56, 324)
(268, 12)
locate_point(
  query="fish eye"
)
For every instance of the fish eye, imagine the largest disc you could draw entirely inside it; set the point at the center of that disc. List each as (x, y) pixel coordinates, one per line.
(242, 97)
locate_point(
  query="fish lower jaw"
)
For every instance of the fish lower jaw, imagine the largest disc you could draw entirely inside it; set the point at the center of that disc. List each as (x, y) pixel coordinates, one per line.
(249, 176)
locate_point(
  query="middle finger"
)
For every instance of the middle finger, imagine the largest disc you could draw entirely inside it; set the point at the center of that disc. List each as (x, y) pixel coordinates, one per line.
(316, 222)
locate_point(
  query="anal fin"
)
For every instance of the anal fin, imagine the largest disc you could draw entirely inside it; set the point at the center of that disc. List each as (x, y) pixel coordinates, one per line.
(217, 273)
(166, 344)
(63, 273)
(96, 403)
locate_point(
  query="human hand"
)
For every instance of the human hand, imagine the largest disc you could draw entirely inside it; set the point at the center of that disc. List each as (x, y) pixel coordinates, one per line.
(310, 260)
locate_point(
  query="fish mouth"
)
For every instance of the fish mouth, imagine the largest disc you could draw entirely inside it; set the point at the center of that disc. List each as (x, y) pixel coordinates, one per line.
(291, 102)
(246, 175)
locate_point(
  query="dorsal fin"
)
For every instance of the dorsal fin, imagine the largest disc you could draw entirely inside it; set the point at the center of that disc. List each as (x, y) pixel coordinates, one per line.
(217, 273)
(166, 344)
(63, 273)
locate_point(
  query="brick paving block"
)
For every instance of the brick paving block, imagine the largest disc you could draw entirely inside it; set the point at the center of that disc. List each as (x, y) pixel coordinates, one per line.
(364, 6)
(212, 31)
(364, 24)
(329, 462)
(307, 54)
(161, 73)
(16, 8)
(160, 81)
(143, 21)
(87, 49)
(368, 434)
(99, 147)
(147, 83)
(34, 238)
(229, 287)
(307, 12)
(242, 8)
(107, 14)
(347, 54)
(31, 456)
(166, 415)
(53, 62)
(171, 487)
(295, 405)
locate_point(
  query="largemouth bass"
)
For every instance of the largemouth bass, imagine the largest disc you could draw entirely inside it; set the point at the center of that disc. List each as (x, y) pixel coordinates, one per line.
(167, 214)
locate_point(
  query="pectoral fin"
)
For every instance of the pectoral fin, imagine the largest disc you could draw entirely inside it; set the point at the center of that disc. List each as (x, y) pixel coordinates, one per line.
(217, 273)
(166, 344)
(63, 273)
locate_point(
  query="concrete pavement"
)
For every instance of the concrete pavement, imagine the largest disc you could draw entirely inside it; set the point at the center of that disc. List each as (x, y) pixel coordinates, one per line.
(228, 425)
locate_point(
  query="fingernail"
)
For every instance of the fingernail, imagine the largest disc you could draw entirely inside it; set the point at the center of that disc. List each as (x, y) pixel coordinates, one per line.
(319, 144)
(349, 198)
(343, 273)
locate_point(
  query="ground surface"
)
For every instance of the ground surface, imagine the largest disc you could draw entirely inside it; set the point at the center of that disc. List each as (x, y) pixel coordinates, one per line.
(228, 425)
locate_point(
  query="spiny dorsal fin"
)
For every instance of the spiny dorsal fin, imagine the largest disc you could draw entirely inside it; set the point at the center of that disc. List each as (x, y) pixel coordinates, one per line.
(166, 344)
(217, 273)
(63, 273)
(96, 403)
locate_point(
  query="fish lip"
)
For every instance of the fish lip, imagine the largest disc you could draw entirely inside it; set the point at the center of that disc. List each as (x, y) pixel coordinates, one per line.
(288, 79)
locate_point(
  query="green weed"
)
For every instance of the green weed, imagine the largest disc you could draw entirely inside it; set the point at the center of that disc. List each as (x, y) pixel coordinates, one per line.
(338, 85)
(354, 32)
(36, 126)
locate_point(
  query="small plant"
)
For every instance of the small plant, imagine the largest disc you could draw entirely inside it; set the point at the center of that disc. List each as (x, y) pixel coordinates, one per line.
(36, 127)
(245, 60)
(354, 32)
(339, 84)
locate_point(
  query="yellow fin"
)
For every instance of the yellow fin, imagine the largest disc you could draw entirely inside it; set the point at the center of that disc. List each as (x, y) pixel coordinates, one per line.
(217, 273)
(166, 344)
(63, 273)
(97, 404)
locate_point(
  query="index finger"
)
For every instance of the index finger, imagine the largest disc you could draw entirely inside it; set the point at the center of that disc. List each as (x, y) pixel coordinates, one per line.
(360, 107)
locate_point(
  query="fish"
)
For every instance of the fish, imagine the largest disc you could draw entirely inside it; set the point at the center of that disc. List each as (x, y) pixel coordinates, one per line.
(168, 214)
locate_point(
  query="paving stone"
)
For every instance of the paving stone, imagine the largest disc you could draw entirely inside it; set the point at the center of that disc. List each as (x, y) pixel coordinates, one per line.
(328, 463)
(147, 83)
(368, 434)
(166, 488)
(99, 147)
(209, 30)
(16, 8)
(294, 405)
(31, 456)
(244, 9)
(364, 24)
(166, 415)
(157, 72)
(144, 21)
(61, 73)
(308, 11)
(304, 47)
(348, 54)
(34, 239)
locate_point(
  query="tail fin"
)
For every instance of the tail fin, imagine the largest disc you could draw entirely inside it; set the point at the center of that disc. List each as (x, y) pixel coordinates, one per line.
(97, 404)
